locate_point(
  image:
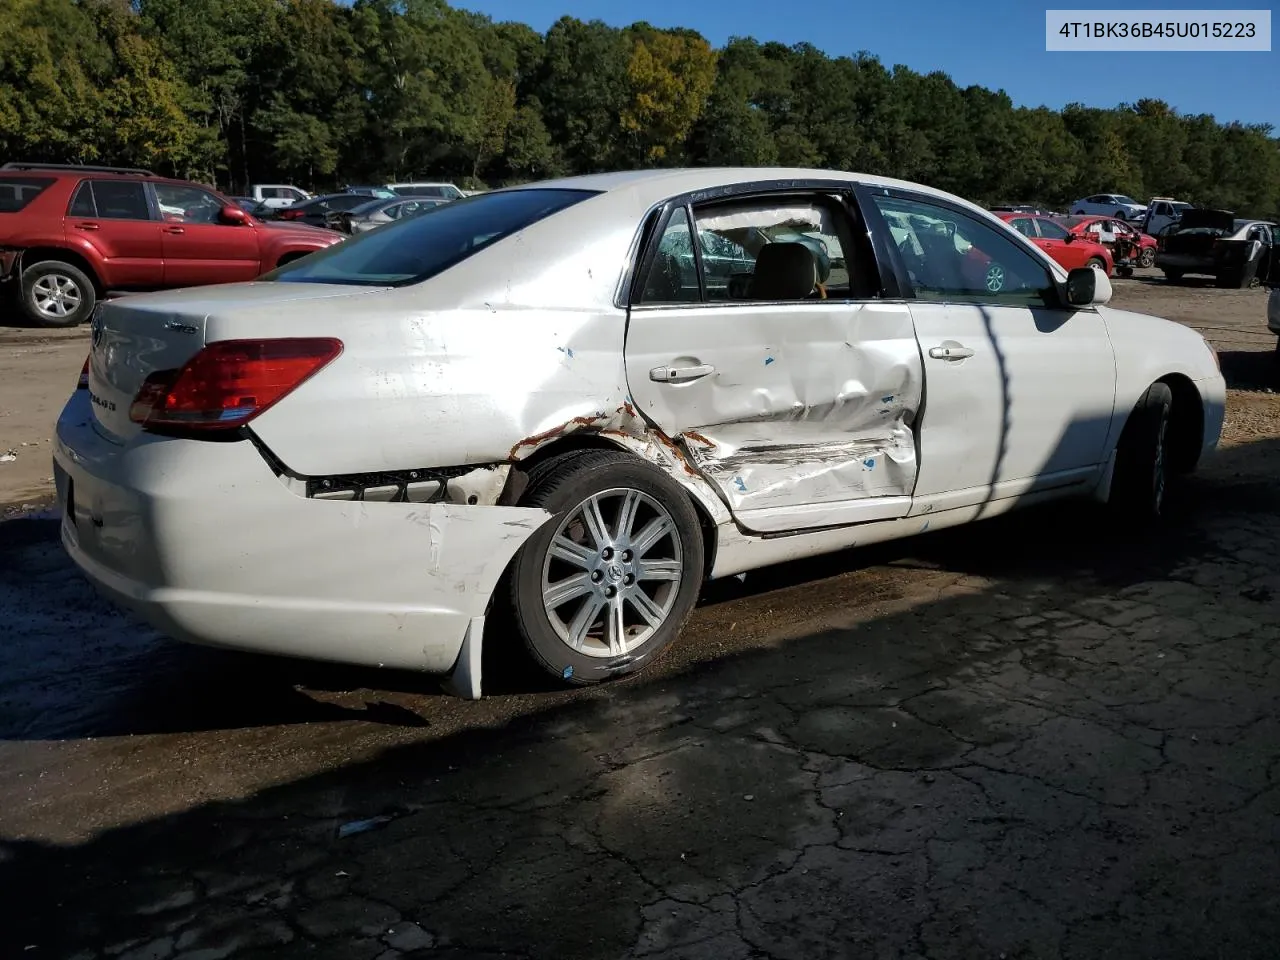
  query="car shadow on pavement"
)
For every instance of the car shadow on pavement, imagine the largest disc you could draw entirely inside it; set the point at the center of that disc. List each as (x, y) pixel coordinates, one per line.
(1251, 369)
(1070, 749)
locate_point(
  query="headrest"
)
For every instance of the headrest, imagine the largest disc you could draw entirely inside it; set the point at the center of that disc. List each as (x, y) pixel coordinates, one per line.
(784, 271)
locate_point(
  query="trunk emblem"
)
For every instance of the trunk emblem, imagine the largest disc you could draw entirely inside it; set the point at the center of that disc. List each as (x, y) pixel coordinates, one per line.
(179, 327)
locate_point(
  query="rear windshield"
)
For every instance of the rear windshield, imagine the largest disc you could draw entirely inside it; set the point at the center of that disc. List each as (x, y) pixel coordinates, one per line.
(409, 251)
(17, 192)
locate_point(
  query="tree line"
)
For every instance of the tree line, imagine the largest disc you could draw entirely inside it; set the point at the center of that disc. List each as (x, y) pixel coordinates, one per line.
(319, 94)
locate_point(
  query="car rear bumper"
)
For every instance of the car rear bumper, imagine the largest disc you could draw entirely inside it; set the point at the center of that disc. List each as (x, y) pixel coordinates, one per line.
(1187, 262)
(202, 540)
(1273, 311)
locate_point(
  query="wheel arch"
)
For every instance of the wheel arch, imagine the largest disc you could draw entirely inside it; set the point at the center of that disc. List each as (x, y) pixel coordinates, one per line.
(1186, 422)
(517, 480)
(291, 255)
(33, 255)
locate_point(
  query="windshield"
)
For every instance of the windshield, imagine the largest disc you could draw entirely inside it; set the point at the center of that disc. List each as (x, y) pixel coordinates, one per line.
(413, 250)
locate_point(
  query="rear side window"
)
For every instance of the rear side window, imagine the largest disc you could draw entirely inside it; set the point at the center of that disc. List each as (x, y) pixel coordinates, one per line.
(121, 200)
(82, 204)
(17, 192)
(414, 249)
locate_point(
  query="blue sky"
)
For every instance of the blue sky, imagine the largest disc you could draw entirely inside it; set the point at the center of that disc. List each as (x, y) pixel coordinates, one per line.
(994, 43)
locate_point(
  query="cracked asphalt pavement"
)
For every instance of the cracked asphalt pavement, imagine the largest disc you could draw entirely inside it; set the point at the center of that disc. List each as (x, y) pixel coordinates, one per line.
(1034, 738)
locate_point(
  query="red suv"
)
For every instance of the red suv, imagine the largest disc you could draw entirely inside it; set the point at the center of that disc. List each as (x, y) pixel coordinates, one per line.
(70, 234)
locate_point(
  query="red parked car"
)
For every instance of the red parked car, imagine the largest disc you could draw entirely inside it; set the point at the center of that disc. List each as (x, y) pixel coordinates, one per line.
(1094, 228)
(1063, 246)
(71, 234)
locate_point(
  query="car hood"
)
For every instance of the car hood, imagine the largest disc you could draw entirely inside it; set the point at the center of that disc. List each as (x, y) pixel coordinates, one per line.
(1216, 219)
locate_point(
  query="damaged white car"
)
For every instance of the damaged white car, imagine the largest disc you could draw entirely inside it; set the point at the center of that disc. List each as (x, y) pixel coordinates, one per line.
(549, 402)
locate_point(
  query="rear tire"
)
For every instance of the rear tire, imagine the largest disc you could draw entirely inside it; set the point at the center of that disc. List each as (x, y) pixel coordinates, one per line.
(1141, 477)
(1173, 276)
(55, 293)
(604, 587)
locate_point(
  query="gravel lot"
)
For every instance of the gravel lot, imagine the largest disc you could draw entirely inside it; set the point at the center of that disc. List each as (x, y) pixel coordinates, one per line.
(1045, 741)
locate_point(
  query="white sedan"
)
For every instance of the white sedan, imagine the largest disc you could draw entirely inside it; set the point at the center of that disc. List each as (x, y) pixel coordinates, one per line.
(1109, 205)
(531, 407)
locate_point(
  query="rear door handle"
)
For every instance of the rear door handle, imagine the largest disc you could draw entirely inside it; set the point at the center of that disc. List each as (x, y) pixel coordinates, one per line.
(86, 226)
(950, 353)
(680, 374)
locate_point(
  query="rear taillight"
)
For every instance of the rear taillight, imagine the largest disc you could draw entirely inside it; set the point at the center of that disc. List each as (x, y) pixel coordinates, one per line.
(227, 384)
(291, 214)
(84, 376)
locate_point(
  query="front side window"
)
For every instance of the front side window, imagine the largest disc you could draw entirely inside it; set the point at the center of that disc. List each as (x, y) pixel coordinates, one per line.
(414, 249)
(951, 256)
(181, 204)
(121, 200)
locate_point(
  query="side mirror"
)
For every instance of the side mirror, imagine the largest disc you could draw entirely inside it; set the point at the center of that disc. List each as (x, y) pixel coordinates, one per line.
(1069, 238)
(233, 216)
(1087, 286)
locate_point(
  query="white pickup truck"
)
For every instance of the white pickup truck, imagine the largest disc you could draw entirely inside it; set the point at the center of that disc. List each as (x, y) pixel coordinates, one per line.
(278, 194)
(1162, 211)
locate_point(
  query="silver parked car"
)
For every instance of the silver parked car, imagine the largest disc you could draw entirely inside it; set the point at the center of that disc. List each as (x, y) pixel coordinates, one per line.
(377, 212)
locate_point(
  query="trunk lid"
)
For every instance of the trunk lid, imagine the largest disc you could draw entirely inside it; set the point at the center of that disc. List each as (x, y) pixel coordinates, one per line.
(135, 336)
(1196, 232)
(1223, 220)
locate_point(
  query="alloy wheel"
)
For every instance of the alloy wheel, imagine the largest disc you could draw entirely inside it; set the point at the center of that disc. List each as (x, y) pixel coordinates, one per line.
(56, 295)
(612, 573)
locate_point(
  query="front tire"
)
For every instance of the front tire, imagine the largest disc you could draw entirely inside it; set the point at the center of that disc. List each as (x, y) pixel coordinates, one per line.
(1173, 276)
(56, 294)
(1141, 476)
(1147, 257)
(601, 590)
(1098, 263)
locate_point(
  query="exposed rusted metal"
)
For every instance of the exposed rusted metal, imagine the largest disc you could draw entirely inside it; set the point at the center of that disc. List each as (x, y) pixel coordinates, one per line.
(569, 426)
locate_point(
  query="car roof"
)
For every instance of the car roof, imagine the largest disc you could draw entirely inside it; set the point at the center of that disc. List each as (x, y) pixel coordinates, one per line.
(654, 186)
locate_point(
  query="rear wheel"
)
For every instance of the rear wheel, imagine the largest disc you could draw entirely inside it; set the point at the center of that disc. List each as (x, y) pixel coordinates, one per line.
(56, 294)
(1142, 469)
(1173, 276)
(603, 588)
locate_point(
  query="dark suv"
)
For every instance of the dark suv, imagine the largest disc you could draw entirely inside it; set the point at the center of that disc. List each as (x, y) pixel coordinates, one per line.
(70, 234)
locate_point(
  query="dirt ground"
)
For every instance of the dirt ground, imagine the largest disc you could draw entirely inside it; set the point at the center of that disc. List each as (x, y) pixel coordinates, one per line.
(1059, 744)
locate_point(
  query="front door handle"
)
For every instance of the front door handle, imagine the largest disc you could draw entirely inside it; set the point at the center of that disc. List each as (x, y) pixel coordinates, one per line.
(174, 230)
(680, 374)
(950, 353)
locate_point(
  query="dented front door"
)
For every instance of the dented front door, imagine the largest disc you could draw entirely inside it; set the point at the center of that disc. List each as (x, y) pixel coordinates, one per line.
(800, 414)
